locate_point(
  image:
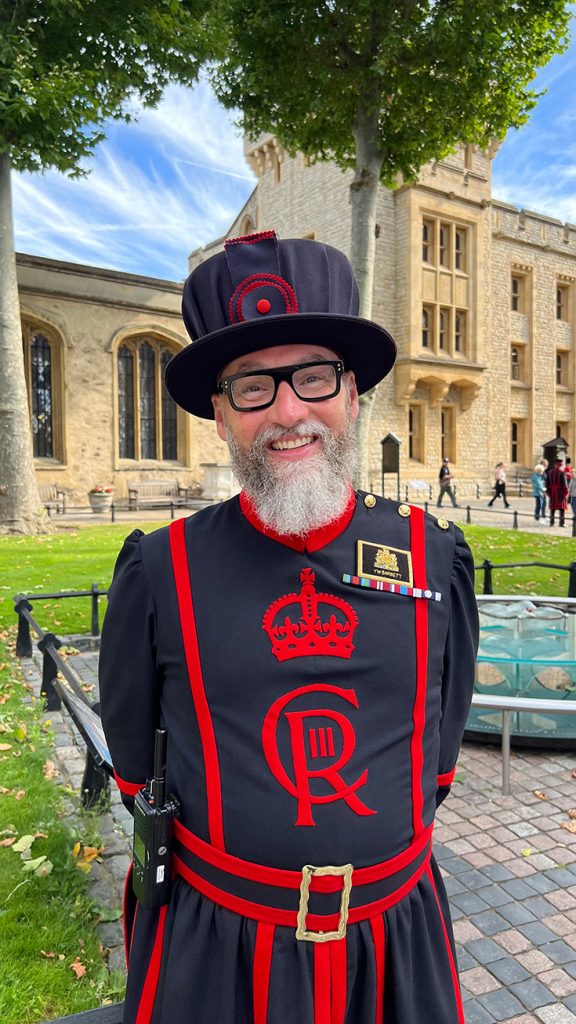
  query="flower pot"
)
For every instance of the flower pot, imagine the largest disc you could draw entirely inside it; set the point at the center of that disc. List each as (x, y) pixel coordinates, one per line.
(100, 502)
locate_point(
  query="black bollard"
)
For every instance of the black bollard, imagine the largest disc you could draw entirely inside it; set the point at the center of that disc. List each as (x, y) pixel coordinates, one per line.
(49, 672)
(468, 516)
(515, 520)
(487, 567)
(23, 640)
(95, 627)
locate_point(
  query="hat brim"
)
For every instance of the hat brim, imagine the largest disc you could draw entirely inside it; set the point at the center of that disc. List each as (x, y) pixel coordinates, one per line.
(366, 348)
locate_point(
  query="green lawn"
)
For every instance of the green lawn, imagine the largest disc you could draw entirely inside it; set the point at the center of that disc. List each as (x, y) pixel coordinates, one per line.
(76, 558)
(47, 921)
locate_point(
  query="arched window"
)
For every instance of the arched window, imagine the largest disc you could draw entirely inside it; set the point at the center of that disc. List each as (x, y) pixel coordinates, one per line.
(42, 354)
(147, 416)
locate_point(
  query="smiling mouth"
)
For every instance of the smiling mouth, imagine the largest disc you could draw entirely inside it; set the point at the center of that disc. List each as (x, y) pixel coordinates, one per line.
(299, 442)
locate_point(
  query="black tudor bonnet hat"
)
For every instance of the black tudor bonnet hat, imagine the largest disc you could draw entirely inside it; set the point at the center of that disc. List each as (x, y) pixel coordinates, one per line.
(262, 292)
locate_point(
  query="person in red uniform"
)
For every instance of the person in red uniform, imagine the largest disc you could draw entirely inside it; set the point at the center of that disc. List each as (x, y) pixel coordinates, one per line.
(310, 650)
(557, 487)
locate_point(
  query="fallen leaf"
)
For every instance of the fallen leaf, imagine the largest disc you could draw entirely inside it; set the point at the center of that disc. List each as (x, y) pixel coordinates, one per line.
(91, 852)
(570, 826)
(49, 770)
(527, 852)
(19, 794)
(572, 812)
(540, 794)
(7, 842)
(40, 835)
(78, 967)
(76, 849)
(24, 843)
(3, 790)
(47, 956)
(33, 865)
(5, 746)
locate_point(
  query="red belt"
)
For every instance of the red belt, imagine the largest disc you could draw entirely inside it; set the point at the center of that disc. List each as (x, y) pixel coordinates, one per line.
(215, 873)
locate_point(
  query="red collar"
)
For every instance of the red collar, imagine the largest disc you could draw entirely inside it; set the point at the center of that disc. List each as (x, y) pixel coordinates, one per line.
(314, 540)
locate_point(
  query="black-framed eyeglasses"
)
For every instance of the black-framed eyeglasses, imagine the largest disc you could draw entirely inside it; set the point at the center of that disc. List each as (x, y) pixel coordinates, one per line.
(311, 382)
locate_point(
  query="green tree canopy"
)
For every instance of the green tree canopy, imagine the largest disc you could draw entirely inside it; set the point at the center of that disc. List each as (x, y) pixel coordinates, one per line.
(67, 67)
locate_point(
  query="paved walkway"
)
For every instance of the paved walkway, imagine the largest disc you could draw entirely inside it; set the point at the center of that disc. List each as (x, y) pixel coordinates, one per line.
(480, 515)
(509, 864)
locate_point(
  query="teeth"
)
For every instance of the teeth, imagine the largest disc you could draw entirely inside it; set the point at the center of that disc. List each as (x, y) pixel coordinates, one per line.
(282, 446)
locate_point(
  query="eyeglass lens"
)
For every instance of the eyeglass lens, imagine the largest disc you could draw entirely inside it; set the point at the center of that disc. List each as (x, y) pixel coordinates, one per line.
(312, 382)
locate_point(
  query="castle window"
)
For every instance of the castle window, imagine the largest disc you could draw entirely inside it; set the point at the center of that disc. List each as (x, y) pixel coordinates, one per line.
(427, 239)
(447, 433)
(515, 364)
(444, 243)
(427, 316)
(460, 331)
(415, 438)
(460, 249)
(561, 368)
(562, 295)
(517, 441)
(443, 330)
(42, 364)
(517, 294)
(147, 416)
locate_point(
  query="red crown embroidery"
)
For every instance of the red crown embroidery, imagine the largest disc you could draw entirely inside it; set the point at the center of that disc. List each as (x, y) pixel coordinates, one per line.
(310, 635)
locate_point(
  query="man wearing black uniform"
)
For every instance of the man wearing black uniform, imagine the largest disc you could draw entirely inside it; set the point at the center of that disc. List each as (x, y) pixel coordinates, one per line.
(310, 651)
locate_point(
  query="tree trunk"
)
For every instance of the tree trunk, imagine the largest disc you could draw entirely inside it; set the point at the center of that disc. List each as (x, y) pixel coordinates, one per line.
(20, 508)
(363, 200)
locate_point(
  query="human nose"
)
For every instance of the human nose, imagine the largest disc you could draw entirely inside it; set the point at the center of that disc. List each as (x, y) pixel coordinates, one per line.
(287, 407)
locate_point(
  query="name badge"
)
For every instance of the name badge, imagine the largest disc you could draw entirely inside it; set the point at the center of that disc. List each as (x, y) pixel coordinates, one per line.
(381, 562)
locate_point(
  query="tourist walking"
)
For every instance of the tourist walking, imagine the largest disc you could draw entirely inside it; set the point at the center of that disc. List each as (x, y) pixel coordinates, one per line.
(557, 492)
(500, 485)
(539, 492)
(445, 478)
(572, 491)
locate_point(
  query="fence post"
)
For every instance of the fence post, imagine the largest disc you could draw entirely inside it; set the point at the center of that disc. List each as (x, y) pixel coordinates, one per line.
(95, 788)
(171, 510)
(468, 517)
(515, 520)
(95, 626)
(572, 579)
(112, 513)
(430, 492)
(487, 567)
(23, 641)
(406, 493)
(477, 492)
(49, 672)
(425, 506)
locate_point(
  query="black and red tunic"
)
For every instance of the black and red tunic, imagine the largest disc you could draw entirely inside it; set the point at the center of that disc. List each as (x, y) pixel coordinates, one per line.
(315, 693)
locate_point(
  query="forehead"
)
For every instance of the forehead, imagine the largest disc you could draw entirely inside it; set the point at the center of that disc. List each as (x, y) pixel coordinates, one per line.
(278, 355)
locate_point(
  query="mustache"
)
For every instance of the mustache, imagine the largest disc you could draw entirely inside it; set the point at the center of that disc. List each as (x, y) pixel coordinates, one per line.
(277, 433)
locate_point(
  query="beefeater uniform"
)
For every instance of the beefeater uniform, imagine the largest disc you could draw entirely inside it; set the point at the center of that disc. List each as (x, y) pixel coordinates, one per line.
(314, 691)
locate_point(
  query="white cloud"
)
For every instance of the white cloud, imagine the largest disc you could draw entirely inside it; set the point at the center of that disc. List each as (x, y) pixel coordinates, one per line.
(157, 189)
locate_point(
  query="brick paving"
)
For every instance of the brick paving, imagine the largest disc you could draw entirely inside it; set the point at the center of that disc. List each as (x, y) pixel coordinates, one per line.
(509, 864)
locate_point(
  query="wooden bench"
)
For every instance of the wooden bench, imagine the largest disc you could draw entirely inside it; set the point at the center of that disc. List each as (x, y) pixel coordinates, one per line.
(156, 492)
(53, 497)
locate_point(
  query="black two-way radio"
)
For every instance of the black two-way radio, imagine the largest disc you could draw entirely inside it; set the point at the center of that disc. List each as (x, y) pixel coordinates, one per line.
(153, 827)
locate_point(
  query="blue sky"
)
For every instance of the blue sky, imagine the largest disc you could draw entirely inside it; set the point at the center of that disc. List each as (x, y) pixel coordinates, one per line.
(174, 180)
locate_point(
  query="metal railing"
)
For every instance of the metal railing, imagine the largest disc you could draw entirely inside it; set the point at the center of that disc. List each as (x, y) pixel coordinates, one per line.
(512, 705)
(61, 684)
(487, 567)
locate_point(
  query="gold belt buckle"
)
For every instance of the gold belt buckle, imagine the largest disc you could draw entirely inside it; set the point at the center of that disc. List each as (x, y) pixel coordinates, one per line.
(307, 872)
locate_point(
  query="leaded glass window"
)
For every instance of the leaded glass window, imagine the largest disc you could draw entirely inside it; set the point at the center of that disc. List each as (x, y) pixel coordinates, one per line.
(126, 446)
(169, 434)
(41, 396)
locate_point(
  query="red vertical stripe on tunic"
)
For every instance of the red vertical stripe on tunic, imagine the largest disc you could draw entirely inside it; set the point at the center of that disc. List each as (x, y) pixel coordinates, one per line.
(190, 639)
(418, 548)
(261, 970)
(321, 983)
(338, 978)
(146, 1006)
(379, 939)
(453, 970)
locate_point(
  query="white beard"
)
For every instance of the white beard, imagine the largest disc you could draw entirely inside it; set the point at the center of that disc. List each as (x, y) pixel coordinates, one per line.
(297, 497)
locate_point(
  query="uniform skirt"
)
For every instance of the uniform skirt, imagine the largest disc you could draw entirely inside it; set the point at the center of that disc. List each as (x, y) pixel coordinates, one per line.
(195, 962)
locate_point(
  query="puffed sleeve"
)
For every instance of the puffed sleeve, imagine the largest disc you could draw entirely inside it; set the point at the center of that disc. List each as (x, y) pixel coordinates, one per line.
(129, 678)
(459, 663)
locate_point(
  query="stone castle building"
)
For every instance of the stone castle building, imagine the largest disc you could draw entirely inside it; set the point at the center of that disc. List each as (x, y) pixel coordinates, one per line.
(479, 295)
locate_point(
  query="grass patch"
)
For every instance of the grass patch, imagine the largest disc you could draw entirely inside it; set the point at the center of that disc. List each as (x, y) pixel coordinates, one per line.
(75, 558)
(46, 919)
(70, 560)
(513, 546)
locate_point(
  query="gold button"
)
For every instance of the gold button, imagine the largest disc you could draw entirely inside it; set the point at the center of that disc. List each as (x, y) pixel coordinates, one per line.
(404, 510)
(369, 501)
(443, 524)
